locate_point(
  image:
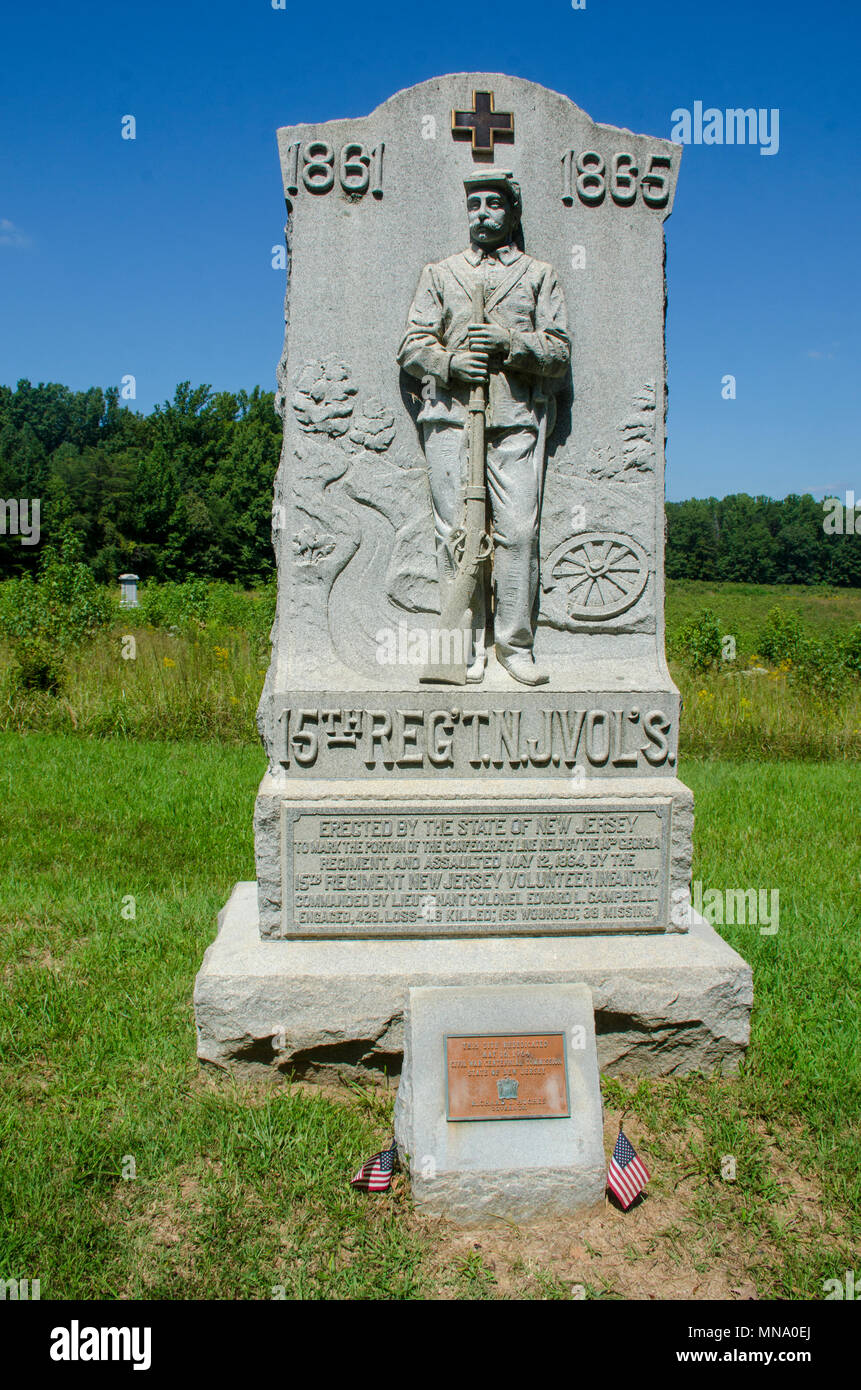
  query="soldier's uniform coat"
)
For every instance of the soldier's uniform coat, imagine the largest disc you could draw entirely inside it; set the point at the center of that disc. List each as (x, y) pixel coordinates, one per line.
(524, 296)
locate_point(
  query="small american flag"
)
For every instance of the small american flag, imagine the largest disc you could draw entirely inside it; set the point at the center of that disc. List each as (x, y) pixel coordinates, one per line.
(626, 1176)
(376, 1174)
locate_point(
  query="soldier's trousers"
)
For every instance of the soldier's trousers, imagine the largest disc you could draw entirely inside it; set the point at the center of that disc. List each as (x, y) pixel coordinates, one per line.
(514, 494)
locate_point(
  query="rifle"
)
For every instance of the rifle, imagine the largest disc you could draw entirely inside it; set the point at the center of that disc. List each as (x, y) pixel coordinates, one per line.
(470, 546)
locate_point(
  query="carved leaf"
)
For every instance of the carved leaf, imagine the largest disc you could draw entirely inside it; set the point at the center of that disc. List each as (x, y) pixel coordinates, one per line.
(310, 548)
(322, 401)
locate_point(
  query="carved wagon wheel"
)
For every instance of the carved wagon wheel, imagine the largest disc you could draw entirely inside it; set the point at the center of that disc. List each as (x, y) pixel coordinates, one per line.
(604, 573)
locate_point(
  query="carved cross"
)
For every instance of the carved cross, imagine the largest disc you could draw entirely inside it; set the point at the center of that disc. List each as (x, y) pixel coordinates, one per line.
(482, 124)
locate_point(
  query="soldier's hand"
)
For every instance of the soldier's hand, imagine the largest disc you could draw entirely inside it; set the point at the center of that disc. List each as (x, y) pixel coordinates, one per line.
(469, 366)
(487, 337)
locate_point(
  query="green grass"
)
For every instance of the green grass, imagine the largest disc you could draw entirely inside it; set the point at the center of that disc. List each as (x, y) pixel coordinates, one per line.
(204, 682)
(238, 1190)
(794, 828)
(743, 608)
(740, 718)
(233, 1195)
(193, 685)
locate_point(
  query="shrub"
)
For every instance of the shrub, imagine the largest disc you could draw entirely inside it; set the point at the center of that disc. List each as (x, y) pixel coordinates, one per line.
(851, 647)
(216, 606)
(824, 666)
(43, 619)
(39, 664)
(784, 638)
(698, 643)
(171, 605)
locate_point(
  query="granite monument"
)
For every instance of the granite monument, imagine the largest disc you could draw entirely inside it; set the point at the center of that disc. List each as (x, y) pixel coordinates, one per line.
(471, 729)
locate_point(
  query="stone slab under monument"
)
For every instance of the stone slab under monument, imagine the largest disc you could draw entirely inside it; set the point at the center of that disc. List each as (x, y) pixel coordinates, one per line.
(498, 1113)
(664, 1003)
(510, 811)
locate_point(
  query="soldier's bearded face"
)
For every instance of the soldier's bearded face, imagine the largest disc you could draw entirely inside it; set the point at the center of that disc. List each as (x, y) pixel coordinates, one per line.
(490, 217)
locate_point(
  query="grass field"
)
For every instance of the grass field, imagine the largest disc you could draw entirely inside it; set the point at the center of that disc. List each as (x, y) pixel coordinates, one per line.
(204, 682)
(239, 1191)
(744, 608)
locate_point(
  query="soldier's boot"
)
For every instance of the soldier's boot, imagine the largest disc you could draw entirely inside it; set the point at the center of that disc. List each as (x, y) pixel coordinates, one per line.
(521, 666)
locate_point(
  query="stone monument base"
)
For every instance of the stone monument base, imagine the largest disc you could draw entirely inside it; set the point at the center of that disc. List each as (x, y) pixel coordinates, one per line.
(469, 1162)
(665, 1004)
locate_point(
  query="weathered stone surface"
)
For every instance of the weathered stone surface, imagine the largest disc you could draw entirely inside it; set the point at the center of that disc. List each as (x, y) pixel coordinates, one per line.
(358, 486)
(390, 291)
(514, 1169)
(529, 882)
(372, 201)
(665, 1004)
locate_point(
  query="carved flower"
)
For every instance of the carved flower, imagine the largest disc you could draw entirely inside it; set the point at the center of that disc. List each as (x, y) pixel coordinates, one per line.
(374, 428)
(310, 549)
(323, 400)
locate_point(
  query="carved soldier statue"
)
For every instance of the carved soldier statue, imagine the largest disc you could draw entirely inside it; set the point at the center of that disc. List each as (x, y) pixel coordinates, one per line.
(520, 353)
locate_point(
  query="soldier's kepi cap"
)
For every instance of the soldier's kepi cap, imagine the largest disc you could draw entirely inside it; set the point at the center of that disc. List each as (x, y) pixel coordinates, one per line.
(502, 179)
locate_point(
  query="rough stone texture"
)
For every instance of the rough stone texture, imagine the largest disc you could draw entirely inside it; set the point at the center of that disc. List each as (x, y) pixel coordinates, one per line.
(346, 484)
(353, 525)
(280, 792)
(371, 201)
(665, 1004)
(478, 1171)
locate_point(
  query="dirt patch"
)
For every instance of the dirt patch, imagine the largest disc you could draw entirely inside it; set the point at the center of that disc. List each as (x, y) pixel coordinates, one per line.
(48, 948)
(643, 1253)
(663, 1247)
(160, 1227)
(257, 1089)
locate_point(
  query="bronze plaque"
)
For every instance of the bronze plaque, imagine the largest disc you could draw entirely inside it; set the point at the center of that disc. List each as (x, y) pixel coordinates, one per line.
(515, 1076)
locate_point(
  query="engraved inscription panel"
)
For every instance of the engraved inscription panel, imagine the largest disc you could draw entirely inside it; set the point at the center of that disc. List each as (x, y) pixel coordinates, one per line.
(516, 869)
(512, 1077)
(468, 737)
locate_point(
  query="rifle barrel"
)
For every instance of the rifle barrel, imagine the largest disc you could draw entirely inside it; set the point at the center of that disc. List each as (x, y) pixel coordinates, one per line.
(477, 403)
(457, 605)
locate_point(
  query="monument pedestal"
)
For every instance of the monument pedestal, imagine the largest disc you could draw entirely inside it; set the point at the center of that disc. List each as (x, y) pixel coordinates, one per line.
(665, 1003)
(431, 857)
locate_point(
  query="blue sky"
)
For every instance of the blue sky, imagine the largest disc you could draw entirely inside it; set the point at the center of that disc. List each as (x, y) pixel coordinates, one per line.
(153, 256)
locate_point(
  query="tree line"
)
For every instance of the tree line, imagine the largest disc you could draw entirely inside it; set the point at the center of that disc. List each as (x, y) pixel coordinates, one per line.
(186, 491)
(182, 492)
(763, 541)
